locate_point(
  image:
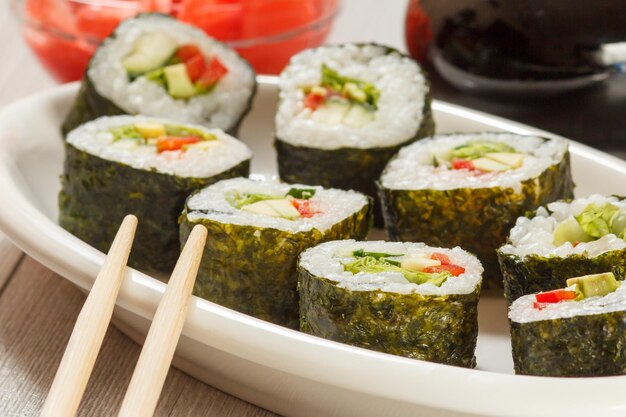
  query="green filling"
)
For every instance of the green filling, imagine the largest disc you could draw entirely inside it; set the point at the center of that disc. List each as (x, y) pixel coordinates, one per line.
(182, 131)
(358, 91)
(596, 285)
(372, 265)
(158, 76)
(301, 193)
(239, 200)
(177, 131)
(125, 132)
(478, 148)
(596, 220)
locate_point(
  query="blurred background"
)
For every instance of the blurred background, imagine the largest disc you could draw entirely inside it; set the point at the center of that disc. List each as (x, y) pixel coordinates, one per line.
(554, 64)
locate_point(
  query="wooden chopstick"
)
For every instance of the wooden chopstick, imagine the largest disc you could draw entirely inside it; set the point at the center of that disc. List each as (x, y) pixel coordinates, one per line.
(154, 361)
(82, 349)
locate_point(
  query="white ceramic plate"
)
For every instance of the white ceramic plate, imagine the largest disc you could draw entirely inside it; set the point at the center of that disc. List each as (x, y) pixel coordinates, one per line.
(282, 370)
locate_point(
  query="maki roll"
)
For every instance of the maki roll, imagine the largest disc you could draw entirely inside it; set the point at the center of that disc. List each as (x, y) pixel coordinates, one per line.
(564, 239)
(405, 299)
(120, 165)
(257, 229)
(579, 330)
(467, 190)
(154, 65)
(344, 111)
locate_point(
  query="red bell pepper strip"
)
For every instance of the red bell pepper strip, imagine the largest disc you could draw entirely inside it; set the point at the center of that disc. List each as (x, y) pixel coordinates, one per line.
(463, 164)
(441, 257)
(170, 143)
(304, 207)
(186, 52)
(540, 306)
(555, 296)
(455, 270)
(195, 67)
(314, 101)
(212, 73)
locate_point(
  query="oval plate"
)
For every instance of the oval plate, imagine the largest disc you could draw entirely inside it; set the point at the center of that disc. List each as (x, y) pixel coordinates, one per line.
(286, 371)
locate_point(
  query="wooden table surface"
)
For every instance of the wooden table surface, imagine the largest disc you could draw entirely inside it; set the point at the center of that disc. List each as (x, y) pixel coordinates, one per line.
(38, 307)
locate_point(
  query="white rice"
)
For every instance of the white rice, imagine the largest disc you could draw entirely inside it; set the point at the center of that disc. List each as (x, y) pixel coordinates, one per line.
(535, 236)
(399, 79)
(413, 169)
(335, 205)
(221, 108)
(522, 311)
(94, 138)
(327, 260)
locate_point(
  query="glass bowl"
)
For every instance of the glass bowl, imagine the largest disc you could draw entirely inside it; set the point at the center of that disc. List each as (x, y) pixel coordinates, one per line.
(65, 33)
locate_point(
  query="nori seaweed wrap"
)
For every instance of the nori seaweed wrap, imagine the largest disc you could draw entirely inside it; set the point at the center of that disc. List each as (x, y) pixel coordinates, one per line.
(154, 65)
(467, 190)
(122, 165)
(344, 111)
(567, 336)
(257, 229)
(564, 239)
(405, 299)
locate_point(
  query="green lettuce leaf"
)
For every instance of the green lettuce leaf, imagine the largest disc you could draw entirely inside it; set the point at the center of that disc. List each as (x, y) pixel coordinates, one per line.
(596, 220)
(332, 79)
(478, 148)
(372, 265)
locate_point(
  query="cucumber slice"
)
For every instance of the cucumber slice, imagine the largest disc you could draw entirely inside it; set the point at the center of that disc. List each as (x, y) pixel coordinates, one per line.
(151, 51)
(178, 83)
(418, 263)
(570, 231)
(354, 92)
(332, 112)
(358, 116)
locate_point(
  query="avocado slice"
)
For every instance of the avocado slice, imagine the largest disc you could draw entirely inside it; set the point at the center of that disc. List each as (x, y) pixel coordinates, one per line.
(511, 159)
(178, 83)
(152, 50)
(275, 208)
(595, 285)
(150, 129)
(570, 231)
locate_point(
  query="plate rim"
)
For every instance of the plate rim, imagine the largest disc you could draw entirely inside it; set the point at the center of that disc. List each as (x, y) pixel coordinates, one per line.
(34, 233)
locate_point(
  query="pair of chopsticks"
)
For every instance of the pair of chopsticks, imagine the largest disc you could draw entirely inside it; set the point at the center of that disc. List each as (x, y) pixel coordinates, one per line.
(155, 358)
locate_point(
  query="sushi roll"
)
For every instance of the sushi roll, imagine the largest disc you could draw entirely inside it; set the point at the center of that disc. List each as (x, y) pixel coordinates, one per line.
(154, 65)
(344, 111)
(122, 165)
(579, 330)
(257, 229)
(405, 299)
(561, 240)
(467, 190)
